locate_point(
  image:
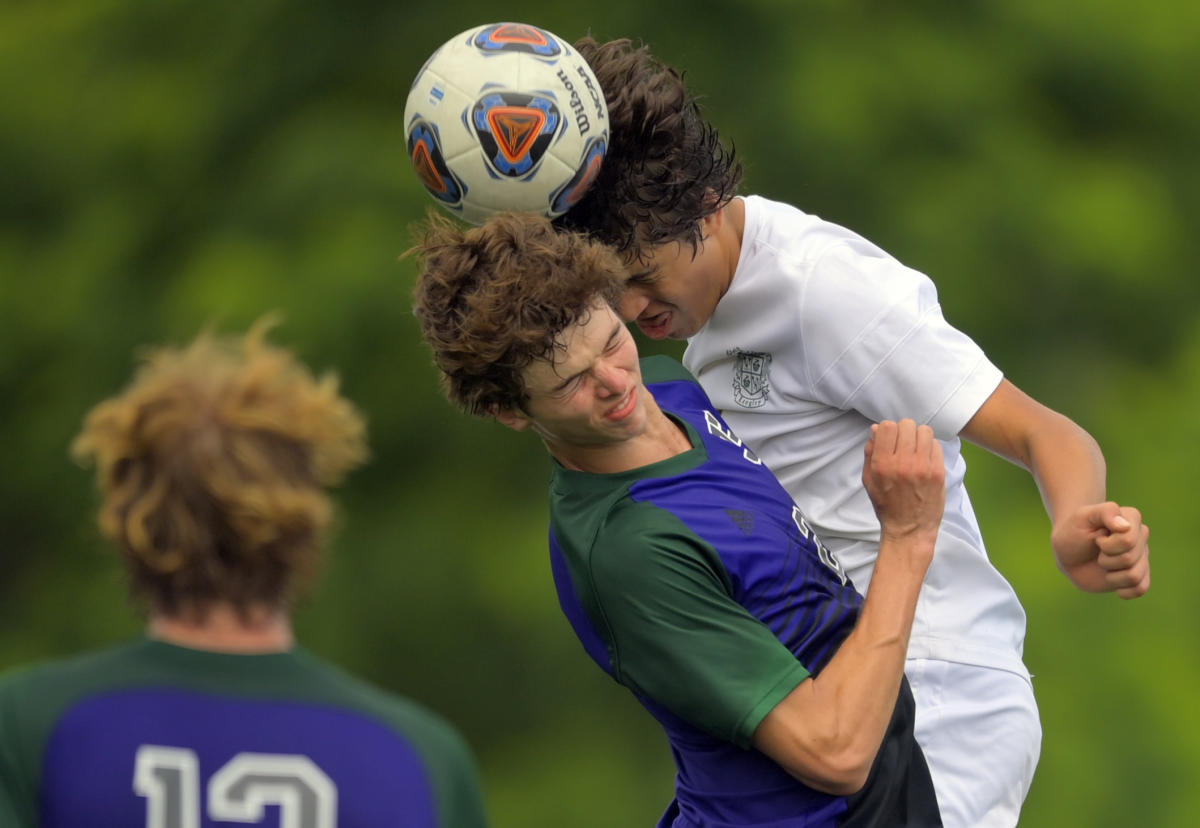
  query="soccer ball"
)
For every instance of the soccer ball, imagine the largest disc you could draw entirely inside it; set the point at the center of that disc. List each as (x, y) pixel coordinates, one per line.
(506, 117)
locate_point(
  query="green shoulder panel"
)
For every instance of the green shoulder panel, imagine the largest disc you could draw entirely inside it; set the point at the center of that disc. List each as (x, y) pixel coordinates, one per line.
(17, 789)
(663, 602)
(447, 756)
(664, 369)
(31, 701)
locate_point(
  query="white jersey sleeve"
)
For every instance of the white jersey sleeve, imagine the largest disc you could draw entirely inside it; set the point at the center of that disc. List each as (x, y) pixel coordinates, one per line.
(875, 341)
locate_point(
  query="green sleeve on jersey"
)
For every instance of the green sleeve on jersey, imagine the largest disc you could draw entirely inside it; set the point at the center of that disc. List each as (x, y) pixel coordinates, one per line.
(456, 779)
(675, 632)
(447, 756)
(16, 793)
(8, 806)
(462, 804)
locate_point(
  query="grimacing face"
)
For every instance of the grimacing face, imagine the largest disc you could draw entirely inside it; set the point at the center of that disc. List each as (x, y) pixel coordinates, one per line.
(591, 393)
(674, 292)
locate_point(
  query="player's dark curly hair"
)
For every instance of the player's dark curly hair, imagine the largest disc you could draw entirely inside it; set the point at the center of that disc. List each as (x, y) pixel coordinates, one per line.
(212, 467)
(665, 168)
(492, 299)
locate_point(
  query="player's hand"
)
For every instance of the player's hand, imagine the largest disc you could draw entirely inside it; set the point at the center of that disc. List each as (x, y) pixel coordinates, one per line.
(1104, 547)
(905, 476)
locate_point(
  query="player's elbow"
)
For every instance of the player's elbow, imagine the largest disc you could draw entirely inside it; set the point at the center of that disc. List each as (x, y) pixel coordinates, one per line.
(838, 772)
(838, 765)
(821, 746)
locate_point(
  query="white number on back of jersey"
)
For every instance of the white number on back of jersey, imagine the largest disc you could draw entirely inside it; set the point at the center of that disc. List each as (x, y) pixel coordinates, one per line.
(169, 778)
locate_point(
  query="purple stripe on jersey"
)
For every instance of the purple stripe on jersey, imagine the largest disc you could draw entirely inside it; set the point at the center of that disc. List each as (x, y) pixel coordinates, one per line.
(568, 599)
(243, 751)
(734, 503)
(737, 506)
(733, 785)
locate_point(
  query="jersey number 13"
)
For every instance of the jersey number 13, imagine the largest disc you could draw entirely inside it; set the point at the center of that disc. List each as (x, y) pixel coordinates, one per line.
(169, 778)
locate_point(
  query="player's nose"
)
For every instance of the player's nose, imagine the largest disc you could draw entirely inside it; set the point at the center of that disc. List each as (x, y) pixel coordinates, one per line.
(611, 377)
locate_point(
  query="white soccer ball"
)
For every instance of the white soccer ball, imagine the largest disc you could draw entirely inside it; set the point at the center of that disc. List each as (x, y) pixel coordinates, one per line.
(506, 117)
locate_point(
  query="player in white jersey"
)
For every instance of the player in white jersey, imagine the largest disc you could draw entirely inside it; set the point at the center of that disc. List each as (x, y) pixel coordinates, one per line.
(804, 334)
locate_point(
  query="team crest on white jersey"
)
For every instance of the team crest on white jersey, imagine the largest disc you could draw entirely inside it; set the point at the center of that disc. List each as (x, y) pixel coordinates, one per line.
(751, 377)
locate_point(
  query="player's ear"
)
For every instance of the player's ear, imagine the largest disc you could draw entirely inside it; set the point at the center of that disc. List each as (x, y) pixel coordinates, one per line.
(514, 418)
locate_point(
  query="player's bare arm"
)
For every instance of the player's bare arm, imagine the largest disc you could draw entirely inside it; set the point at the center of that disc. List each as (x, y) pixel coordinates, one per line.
(1099, 545)
(828, 730)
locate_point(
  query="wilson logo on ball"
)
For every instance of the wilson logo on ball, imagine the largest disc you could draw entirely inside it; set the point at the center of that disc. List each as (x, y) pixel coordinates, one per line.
(515, 130)
(431, 168)
(516, 37)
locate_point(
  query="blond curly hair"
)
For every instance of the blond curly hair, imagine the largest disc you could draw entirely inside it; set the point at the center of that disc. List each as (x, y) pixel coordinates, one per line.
(213, 465)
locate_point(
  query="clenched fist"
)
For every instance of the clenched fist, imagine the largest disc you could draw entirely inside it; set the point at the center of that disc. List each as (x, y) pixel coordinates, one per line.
(905, 476)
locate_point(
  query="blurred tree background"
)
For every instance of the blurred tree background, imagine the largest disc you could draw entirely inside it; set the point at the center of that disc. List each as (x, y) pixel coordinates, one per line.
(173, 164)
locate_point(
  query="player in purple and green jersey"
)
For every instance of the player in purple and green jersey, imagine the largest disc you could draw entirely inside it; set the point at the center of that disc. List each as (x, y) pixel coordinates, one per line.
(213, 469)
(687, 572)
(639, 557)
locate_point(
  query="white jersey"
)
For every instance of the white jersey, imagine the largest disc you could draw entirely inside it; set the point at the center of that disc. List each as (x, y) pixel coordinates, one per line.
(820, 335)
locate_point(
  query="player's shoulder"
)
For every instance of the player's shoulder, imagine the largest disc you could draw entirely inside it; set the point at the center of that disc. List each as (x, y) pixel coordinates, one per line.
(35, 696)
(786, 229)
(443, 749)
(73, 674)
(644, 543)
(783, 240)
(403, 715)
(662, 368)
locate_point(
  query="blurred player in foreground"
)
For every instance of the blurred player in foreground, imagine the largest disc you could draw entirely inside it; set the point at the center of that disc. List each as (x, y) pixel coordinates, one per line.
(686, 570)
(213, 466)
(804, 334)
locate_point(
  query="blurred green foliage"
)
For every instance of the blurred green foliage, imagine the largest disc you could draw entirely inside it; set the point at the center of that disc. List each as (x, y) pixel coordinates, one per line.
(171, 164)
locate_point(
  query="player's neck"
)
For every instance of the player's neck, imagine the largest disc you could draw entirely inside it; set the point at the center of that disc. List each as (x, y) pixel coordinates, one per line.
(661, 440)
(733, 228)
(222, 629)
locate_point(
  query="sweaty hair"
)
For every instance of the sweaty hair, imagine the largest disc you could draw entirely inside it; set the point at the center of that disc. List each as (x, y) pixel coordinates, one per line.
(665, 168)
(212, 467)
(492, 299)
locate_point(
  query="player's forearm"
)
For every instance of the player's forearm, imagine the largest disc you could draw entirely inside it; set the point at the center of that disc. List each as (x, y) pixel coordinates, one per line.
(1065, 461)
(862, 680)
(1068, 466)
(828, 731)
